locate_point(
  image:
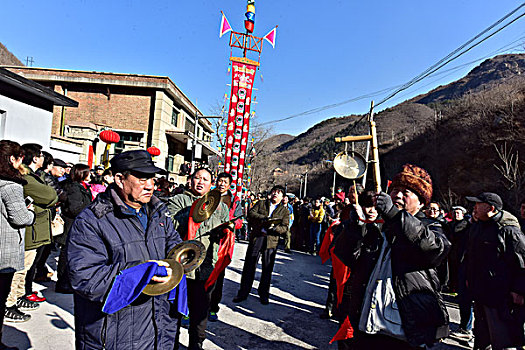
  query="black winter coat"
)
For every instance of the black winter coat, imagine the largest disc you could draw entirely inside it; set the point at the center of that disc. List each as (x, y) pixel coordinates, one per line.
(76, 198)
(106, 238)
(496, 260)
(418, 246)
(358, 247)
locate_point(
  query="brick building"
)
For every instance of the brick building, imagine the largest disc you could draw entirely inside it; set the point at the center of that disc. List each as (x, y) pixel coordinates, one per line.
(145, 111)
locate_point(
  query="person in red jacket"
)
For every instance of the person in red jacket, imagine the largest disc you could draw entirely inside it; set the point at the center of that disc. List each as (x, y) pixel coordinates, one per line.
(224, 181)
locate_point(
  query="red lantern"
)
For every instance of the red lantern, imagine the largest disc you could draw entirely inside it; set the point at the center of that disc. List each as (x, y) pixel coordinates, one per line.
(154, 151)
(109, 136)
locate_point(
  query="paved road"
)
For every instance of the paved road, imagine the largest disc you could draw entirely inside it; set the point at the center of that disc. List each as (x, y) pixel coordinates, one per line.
(290, 321)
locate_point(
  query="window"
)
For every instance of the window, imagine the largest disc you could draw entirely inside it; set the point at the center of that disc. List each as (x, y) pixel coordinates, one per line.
(175, 116)
(169, 163)
(126, 137)
(189, 125)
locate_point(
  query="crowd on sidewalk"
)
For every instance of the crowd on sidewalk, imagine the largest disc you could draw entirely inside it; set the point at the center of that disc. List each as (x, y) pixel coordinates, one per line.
(394, 256)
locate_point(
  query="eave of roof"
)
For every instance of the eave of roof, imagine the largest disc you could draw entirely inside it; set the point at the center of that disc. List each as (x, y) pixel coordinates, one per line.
(34, 88)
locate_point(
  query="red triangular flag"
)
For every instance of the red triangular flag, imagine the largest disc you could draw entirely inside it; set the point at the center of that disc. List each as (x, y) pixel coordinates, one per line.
(225, 255)
(324, 251)
(341, 275)
(225, 26)
(346, 331)
(270, 37)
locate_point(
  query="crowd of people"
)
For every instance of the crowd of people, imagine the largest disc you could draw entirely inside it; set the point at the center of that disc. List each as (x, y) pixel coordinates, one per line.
(394, 256)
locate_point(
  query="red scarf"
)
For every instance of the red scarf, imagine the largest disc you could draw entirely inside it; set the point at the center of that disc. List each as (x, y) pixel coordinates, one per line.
(193, 227)
(225, 256)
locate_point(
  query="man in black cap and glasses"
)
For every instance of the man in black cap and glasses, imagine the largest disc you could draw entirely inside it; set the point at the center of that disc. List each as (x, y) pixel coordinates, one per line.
(124, 227)
(496, 274)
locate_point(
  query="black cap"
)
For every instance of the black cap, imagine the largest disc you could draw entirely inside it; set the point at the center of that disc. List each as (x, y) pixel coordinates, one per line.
(278, 188)
(139, 161)
(59, 162)
(489, 198)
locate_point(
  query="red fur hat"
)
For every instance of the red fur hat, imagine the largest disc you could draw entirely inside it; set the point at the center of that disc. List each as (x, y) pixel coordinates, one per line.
(417, 179)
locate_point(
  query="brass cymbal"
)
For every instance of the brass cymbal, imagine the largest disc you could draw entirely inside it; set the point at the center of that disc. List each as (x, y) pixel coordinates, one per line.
(206, 205)
(190, 254)
(350, 167)
(154, 288)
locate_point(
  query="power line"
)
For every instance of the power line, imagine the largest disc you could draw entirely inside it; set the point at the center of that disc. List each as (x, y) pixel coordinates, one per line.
(428, 72)
(456, 53)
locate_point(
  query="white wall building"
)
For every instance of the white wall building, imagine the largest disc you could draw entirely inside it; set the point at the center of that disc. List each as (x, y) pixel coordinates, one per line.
(26, 113)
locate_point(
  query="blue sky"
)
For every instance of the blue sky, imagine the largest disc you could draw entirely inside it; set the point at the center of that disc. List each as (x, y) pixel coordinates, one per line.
(326, 52)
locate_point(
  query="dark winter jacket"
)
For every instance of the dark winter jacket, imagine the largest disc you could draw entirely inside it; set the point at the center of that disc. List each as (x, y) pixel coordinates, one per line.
(106, 238)
(358, 246)
(45, 198)
(496, 260)
(76, 199)
(257, 217)
(52, 181)
(418, 246)
(459, 236)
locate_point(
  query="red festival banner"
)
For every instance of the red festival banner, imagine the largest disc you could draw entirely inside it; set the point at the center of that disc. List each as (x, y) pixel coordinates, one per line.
(238, 126)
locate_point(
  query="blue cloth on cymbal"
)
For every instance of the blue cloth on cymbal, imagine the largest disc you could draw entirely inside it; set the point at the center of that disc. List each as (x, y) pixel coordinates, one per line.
(180, 296)
(129, 283)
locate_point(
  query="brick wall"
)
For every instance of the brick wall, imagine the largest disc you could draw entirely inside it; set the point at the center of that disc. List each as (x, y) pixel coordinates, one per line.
(118, 108)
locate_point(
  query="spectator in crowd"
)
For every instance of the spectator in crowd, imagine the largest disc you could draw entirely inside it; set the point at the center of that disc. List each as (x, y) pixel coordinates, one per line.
(124, 227)
(405, 310)
(496, 274)
(99, 183)
(199, 297)
(459, 236)
(162, 189)
(316, 218)
(14, 215)
(233, 202)
(351, 200)
(269, 221)
(288, 238)
(357, 244)
(42, 274)
(185, 169)
(79, 196)
(434, 212)
(37, 235)
(340, 194)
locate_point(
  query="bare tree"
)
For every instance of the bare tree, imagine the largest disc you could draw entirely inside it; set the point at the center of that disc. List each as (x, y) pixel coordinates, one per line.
(512, 177)
(258, 157)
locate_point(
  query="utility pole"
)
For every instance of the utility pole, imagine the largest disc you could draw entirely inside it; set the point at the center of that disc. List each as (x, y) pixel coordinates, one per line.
(333, 184)
(305, 182)
(301, 188)
(194, 142)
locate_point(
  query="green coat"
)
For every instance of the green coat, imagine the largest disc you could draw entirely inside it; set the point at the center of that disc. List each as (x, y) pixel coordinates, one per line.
(259, 213)
(45, 197)
(179, 207)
